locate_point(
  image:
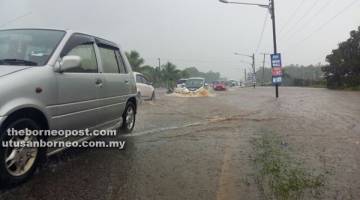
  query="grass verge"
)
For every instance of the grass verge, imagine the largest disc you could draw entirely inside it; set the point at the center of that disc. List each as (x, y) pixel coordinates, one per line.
(278, 176)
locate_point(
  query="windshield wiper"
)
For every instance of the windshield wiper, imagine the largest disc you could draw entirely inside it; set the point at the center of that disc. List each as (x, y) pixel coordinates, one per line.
(18, 61)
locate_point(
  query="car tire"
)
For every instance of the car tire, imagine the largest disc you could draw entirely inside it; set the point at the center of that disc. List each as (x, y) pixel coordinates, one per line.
(13, 169)
(129, 118)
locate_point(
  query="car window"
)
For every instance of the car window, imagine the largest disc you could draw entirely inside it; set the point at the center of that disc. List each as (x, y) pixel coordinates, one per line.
(109, 60)
(88, 59)
(139, 79)
(120, 61)
(145, 80)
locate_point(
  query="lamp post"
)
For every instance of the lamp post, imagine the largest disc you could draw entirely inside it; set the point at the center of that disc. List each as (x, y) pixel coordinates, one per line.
(271, 7)
(252, 64)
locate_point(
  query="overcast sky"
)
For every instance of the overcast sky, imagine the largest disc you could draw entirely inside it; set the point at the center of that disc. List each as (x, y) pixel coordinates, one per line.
(200, 33)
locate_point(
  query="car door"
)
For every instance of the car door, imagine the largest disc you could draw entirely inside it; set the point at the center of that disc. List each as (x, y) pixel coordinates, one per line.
(147, 88)
(116, 88)
(78, 88)
(141, 85)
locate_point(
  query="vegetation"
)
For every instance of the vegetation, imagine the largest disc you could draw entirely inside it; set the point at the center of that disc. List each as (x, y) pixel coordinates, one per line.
(278, 176)
(167, 74)
(343, 70)
(295, 75)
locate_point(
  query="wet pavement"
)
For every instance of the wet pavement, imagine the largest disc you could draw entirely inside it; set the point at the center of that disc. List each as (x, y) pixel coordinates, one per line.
(199, 148)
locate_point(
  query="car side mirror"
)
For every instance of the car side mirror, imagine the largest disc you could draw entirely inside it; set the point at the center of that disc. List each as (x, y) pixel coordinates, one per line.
(69, 62)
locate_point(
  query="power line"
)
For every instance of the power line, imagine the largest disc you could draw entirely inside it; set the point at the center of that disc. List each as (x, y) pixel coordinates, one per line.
(292, 16)
(200, 60)
(262, 32)
(328, 22)
(311, 19)
(302, 17)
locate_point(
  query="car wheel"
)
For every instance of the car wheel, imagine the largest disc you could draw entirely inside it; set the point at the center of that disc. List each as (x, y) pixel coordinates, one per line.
(129, 118)
(18, 163)
(152, 96)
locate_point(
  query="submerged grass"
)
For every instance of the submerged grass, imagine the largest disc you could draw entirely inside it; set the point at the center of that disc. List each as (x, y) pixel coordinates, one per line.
(278, 176)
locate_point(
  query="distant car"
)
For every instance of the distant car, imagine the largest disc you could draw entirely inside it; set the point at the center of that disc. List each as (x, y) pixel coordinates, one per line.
(219, 86)
(195, 83)
(233, 83)
(145, 90)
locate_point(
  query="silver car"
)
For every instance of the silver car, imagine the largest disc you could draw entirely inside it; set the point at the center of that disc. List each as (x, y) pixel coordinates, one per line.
(59, 80)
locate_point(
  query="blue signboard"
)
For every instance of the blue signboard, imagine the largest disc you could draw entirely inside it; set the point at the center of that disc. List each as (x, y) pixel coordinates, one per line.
(276, 68)
(276, 60)
(277, 80)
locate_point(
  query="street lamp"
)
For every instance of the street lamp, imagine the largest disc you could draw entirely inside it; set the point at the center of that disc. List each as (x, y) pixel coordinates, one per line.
(253, 65)
(249, 4)
(271, 7)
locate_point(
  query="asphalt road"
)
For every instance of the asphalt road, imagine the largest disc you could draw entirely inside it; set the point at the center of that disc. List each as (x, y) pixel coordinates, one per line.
(200, 148)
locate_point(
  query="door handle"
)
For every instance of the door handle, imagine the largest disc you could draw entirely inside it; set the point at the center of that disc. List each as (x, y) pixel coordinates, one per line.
(126, 82)
(99, 82)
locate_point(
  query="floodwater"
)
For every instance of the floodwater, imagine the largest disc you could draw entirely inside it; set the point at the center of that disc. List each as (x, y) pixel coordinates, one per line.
(200, 148)
(182, 92)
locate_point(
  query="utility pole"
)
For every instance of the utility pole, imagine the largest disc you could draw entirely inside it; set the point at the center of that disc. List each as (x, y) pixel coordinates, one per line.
(263, 69)
(245, 79)
(271, 7)
(272, 11)
(254, 70)
(158, 71)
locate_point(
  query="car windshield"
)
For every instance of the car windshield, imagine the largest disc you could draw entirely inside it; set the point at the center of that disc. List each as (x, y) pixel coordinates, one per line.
(27, 46)
(181, 81)
(194, 83)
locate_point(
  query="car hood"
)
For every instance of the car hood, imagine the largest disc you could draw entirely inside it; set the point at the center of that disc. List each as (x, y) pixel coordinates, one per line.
(9, 69)
(193, 88)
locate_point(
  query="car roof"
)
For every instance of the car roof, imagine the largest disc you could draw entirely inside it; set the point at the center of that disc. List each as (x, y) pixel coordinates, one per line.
(196, 78)
(98, 39)
(138, 73)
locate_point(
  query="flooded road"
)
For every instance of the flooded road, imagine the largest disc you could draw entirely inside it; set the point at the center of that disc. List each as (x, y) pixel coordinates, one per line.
(201, 148)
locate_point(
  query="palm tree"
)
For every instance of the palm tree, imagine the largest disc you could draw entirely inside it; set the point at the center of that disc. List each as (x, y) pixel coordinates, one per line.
(170, 74)
(135, 60)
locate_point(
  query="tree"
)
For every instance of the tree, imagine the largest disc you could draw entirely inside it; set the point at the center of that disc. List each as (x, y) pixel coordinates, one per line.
(343, 70)
(170, 74)
(192, 71)
(135, 60)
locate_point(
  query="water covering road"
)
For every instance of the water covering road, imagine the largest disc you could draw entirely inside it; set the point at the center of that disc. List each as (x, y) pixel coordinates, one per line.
(200, 148)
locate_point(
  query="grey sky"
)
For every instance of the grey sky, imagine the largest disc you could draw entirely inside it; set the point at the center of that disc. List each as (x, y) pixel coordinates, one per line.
(201, 33)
